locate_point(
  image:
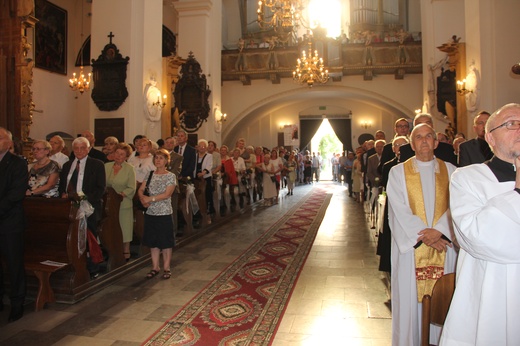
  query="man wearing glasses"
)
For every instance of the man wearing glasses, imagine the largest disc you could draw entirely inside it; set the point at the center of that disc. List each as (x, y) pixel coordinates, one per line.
(402, 129)
(485, 206)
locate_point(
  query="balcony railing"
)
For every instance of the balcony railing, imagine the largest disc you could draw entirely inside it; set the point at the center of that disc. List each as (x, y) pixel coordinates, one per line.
(342, 60)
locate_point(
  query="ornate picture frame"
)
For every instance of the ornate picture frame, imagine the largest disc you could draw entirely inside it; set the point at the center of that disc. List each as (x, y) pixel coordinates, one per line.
(50, 44)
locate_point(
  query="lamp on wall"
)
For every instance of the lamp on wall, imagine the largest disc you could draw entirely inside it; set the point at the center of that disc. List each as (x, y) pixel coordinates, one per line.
(461, 87)
(366, 124)
(223, 118)
(159, 103)
(80, 82)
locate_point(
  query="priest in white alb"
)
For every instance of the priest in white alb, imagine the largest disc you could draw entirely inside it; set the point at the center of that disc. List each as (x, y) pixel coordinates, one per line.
(485, 204)
(422, 234)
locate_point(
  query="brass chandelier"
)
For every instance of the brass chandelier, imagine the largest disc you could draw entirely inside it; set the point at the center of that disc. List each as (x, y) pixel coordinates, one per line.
(80, 82)
(286, 15)
(310, 68)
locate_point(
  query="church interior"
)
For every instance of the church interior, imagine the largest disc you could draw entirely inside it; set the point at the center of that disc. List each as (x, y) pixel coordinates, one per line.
(224, 70)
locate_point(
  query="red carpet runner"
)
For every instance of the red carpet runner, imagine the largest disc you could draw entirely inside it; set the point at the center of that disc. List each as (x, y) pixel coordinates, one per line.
(245, 303)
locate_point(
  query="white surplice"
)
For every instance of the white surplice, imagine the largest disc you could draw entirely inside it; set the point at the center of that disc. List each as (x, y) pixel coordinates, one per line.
(405, 226)
(485, 309)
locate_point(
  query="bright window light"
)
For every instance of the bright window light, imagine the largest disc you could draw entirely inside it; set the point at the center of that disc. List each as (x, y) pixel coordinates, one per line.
(327, 13)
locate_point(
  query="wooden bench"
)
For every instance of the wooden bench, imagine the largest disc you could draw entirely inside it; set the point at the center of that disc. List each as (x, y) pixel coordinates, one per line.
(52, 235)
(110, 233)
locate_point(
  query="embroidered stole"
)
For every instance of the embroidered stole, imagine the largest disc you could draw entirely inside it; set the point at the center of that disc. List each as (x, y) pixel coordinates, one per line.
(429, 263)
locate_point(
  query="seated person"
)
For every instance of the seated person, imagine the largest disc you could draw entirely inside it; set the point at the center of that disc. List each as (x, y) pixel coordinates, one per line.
(43, 173)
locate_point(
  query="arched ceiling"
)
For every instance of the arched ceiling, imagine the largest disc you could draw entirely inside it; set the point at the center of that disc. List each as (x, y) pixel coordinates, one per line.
(318, 95)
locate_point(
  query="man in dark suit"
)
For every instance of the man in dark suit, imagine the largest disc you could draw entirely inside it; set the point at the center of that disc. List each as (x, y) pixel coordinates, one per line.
(188, 153)
(444, 151)
(91, 179)
(402, 128)
(476, 150)
(85, 175)
(13, 184)
(93, 152)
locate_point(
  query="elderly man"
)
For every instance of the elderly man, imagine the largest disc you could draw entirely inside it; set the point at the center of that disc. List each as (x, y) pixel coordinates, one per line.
(443, 151)
(384, 241)
(93, 152)
(401, 128)
(87, 175)
(188, 153)
(373, 176)
(57, 144)
(485, 207)
(419, 218)
(476, 150)
(13, 184)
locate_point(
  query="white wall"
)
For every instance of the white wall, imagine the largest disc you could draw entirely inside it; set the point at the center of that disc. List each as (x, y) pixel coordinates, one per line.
(51, 93)
(248, 106)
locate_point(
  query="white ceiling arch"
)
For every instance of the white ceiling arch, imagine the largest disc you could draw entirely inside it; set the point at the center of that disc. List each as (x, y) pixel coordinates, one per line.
(331, 95)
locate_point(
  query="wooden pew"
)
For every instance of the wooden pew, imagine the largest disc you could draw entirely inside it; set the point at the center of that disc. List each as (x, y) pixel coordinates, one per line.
(52, 234)
(109, 231)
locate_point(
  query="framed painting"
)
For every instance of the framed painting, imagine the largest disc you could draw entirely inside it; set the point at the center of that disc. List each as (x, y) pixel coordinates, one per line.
(104, 128)
(50, 46)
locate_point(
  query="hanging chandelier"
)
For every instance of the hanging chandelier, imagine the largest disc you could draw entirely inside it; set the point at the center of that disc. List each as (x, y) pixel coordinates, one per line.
(79, 82)
(310, 68)
(284, 15)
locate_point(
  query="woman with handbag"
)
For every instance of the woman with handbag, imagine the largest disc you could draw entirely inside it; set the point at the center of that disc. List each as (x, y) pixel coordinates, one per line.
(158, 218)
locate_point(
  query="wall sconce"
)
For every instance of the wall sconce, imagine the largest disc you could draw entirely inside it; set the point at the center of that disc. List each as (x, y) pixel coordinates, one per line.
(366, 124)
(223, 118)
(461, 88)
(418, 111)
(160, 104)
(219, 118)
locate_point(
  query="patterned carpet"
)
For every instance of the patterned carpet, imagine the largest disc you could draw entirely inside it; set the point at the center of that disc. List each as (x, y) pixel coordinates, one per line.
(244, 304)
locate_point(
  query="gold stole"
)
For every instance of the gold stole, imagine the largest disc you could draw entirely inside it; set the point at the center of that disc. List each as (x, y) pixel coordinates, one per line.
(429, 263)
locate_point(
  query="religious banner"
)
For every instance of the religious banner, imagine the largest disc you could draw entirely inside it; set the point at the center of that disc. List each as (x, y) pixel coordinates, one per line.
(290, 135)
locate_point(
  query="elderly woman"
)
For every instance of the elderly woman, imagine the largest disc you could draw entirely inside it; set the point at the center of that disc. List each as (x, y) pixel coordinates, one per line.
(278, 167)
(228, 173)
(121, 177)
(240, 167)
(203, 169)
(158, 220)
(291, 166)
(143, 163)
(268, 179)
(110, 147)
(43, 172)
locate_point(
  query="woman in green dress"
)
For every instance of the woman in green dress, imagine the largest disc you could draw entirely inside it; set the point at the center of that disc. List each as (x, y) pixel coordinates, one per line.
(121, 177)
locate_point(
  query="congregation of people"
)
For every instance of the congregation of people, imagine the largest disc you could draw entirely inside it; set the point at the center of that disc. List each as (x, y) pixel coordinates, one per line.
(150, 177)
(450, 205)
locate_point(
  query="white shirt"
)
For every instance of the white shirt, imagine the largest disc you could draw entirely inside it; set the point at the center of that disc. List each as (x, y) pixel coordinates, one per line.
(60, 158)
(81, 173)
(405, 226)
(485, 309)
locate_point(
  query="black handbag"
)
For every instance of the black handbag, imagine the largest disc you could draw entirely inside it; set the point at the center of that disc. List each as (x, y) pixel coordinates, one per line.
(146, 192)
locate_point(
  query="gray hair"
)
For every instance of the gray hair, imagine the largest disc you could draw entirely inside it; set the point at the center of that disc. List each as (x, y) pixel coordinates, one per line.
(81, 140)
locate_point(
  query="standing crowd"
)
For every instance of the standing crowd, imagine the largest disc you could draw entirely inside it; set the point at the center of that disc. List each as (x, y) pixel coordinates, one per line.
(452, 206)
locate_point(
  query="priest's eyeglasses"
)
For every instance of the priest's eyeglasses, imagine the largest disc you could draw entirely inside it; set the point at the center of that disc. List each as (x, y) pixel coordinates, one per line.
(512, 125)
